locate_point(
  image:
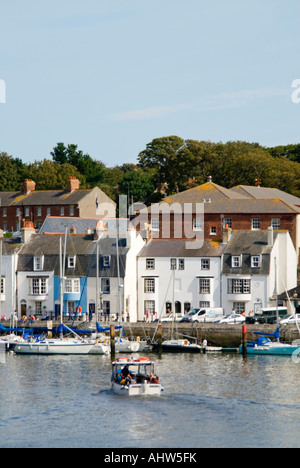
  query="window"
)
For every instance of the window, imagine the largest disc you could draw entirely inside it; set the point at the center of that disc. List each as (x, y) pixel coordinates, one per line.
(72, 286)
(213, 230)
(106, 308)
(155, 224)
(2, 286)
(18, 213)
(276, 223)
(236, 262)
(204, 286)
(255, 224)
(197, 225)
(72, 210)
(39, 211)
(62, 211)
(48, 211)
(239, 286)
(105, 285)
(38, 308)
(27, 212)
(71, 262)
(205, 264)
(181, 264)
(255, 262)
(227, 222)
(239, 307)
(38, 286)
(106, 261)
(204, 304)
(149, 305)
(173, 264)
(4, 212)
(38, 263)
(149, 285)
(150, 264)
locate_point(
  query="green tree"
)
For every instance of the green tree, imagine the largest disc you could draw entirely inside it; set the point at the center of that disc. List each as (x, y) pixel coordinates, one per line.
(91, 169)
(49, 175)
(11, 173)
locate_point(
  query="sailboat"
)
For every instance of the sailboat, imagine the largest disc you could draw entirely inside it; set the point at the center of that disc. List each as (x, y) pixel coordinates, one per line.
(62, 345)
(264, 345)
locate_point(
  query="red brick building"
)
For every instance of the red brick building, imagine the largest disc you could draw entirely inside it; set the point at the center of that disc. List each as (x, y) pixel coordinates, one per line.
(34, 205)
(222, 207)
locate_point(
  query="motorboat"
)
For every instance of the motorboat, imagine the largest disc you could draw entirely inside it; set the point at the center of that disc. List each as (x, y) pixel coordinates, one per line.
(180, 345)
(101, 345)
(65, 346)
(265, 346)
(135, 376)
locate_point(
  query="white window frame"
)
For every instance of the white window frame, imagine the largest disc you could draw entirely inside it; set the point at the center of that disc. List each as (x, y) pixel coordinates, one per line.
(72, 286)
(276, 224)
(72, 262)
(255, 261)
(197, 224)
(255, 224)
(38, 286)
(149, 285)
(155, 224)
(38, 263)
(236, 261)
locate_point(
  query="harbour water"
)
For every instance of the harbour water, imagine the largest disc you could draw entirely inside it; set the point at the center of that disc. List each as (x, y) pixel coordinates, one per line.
(212, 400)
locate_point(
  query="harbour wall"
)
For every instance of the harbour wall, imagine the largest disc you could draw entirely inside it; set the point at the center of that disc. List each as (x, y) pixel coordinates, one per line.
(221, 335)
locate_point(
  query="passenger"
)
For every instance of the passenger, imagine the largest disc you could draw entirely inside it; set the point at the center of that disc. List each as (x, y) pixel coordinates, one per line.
(153, 378)
(126, 376)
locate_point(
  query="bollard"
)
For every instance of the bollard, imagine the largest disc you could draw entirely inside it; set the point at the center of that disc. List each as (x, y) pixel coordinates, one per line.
(112, 343)
(159, 339)
(244, 340)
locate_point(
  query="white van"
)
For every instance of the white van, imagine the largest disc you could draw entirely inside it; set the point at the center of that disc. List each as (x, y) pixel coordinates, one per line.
(205, 314)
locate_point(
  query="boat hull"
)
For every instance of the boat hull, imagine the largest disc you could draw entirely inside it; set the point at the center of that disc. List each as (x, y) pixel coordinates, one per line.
(179, 346)
(137, 389)
(52, 348)
(282, 350)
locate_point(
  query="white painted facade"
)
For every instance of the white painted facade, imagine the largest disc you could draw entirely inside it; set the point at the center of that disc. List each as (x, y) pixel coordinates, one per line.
(177, 282)
(258, 290)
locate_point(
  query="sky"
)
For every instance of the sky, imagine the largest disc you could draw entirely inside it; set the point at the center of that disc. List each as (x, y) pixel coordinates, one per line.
(112, 75)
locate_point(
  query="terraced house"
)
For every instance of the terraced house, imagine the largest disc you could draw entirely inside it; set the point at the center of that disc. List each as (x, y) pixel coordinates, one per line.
(35, 205)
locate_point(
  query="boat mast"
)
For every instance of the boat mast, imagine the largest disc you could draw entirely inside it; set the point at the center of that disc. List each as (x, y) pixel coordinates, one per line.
(276, 294)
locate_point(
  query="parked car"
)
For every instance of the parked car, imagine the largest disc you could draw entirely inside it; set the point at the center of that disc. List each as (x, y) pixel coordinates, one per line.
(170, 318)
(269, 314)
(208, 315)
(232, 319)
(290, 319)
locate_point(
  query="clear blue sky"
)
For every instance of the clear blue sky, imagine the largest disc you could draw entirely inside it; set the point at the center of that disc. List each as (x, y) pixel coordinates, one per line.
(111, 75)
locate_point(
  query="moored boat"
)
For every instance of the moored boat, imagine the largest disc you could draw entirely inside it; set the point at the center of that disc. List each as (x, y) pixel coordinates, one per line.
(133, 377)
(63, 346)
(179, 346)
(265, 346)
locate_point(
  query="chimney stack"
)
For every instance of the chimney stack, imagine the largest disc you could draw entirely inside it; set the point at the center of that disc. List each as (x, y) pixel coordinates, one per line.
(27, 231)
(227, 232)
(100, 228)
(73, 184)
(270, 236)
(29, 186)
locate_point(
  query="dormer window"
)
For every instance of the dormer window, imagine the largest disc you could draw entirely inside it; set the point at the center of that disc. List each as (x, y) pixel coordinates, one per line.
(256, 261)
(236, 261)
(38, 263)
(106, 261)
(71, 262)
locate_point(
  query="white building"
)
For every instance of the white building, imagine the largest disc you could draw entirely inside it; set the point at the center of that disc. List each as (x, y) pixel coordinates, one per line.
(8, 265)
(172, 277)
(249, 269)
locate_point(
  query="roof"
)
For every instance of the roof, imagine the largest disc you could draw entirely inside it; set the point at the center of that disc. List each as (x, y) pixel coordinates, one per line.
(48, 197)
(83, 247)
(58, 225)
(248, 244)
(266, 193)
(207, 191)
(178, 249)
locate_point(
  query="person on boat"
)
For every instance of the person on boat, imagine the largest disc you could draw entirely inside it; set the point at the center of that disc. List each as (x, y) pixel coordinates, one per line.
(153, 378)
(126, 376)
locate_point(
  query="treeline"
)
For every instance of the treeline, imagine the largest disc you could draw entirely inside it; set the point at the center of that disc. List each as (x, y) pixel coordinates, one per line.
(167, 165)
